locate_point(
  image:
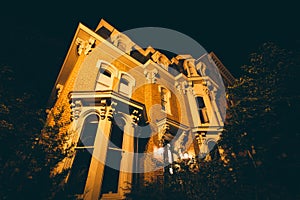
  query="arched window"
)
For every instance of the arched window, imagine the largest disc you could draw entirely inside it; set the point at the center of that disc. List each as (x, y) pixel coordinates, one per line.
(110, 182)
(165, 96)
(126, 84)
(84, 150)
(105, 77)
(202, 110)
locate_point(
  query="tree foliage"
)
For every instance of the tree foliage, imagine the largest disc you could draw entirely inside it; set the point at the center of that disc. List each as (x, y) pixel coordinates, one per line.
(28, 155)
(261, 132)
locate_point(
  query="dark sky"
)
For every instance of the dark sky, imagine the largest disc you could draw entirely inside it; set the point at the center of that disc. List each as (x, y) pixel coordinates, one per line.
(36, 37)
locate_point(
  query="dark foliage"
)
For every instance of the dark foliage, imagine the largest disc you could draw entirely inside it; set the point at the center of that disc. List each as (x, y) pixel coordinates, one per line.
(28, 155)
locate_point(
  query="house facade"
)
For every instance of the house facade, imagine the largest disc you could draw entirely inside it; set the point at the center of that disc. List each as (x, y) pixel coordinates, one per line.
(134, 110)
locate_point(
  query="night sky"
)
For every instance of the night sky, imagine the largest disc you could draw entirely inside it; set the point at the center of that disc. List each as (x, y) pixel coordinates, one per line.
(36, 37)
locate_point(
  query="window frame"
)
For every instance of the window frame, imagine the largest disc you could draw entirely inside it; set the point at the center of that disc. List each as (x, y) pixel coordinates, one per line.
(106, 82)
(130, 84)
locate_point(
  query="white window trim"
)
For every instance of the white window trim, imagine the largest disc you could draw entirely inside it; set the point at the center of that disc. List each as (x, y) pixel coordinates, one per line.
(131, 83)
(101, 64)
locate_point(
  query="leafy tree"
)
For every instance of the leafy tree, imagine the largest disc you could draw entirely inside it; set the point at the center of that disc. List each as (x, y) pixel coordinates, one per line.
(261, 134)
(28, 154)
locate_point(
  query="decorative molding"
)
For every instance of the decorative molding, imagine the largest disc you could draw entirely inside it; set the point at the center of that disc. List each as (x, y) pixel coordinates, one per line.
(135, 116)
(213, 93)
(181, 86)
(151, 75)
(102, 109)
(190, 89)
(164, 135)
(201, 68)
(59, 88)
(111, 110)
(76, 108)
(122, 42)
(189, 66)
(161, 59)
(205, 89)
(200, 137)
(85, 46)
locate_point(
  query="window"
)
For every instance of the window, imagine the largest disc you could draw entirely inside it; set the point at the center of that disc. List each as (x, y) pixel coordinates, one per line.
(104, 80)
(165, 96)
(124, 81)
(105, 77)
(110, 181)
(106, 73)
(84, 150)
(202, 110)
(126, 84)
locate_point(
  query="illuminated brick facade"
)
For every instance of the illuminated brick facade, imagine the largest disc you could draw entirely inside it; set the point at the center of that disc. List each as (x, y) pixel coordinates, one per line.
(142, 102)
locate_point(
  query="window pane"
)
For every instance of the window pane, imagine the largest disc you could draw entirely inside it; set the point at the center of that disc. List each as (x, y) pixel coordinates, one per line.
(200, 102)
(110, 181)
(104, 80)
(89, 130)
(79, 171)
(116, 136)
(105, 72)
(124, 81)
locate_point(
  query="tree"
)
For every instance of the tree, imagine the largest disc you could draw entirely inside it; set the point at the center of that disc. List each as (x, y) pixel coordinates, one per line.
(260, 135)
(28, 155)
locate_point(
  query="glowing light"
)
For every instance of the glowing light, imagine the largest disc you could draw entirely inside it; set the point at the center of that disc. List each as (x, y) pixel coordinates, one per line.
(185, 156)
(158, 153)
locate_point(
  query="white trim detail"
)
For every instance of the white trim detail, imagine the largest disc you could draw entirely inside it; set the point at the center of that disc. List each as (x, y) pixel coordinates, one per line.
(126, 89)
(105, 82)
